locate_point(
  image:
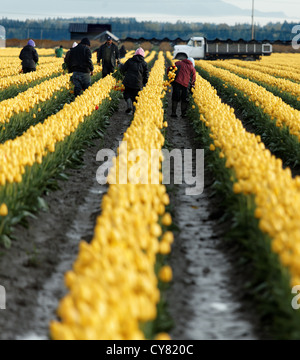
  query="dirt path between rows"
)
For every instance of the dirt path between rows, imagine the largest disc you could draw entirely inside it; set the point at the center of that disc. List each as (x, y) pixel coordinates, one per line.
(204, 299)
(32, 271)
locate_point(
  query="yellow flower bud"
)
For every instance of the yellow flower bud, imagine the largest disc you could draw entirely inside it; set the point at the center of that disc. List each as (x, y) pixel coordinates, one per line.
(166, 274)
(163, 337)
(3, 210)
(167, 220)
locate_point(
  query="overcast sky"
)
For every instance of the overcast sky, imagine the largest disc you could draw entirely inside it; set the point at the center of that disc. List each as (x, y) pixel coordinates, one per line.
(177, 9)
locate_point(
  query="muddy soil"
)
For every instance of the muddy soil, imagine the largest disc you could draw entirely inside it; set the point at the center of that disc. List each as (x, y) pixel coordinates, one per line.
(32, 271)
(205, 300)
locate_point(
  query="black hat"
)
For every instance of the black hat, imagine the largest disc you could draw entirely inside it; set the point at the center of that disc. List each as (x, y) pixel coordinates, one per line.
(86, 41)
(109, 37)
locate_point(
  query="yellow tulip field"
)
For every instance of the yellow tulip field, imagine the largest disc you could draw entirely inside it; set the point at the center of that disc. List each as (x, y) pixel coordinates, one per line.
(245, 115)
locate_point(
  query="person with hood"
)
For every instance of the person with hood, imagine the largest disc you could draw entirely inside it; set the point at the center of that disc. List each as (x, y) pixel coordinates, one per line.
(65, 64)
(184, 81)
(109, 55)
(80, 63)
(29, 57)
(136, 77)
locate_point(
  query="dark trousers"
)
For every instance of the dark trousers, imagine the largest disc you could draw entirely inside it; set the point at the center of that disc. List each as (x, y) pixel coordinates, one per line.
(180, 93)
(131, 93)
(27, 70)
(81, 81)
(107, 69)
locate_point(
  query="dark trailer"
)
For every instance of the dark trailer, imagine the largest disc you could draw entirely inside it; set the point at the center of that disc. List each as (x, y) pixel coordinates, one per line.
(241, 49)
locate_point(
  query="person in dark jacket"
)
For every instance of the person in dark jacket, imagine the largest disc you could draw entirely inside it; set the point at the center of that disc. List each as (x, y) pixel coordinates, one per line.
(109, 55)
(136, 77)
(122, 52)
(66, 60)
(184, 81)
(29, 57)
(79, 62)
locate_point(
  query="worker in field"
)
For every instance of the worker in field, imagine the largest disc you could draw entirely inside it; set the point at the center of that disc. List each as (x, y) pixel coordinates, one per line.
(29, 57)
(136, 77)
(65, 64)
(108, 54)
(183, 84)
(122, 52)
(59, 52)
(80, 63)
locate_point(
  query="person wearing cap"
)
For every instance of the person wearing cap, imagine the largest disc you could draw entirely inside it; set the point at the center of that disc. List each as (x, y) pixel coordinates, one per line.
(108, 53)
(29, 57)
(79, 62)
(184, 82)
(136, 77)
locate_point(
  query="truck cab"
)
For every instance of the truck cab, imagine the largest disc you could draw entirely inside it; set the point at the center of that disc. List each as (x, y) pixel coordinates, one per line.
(195, 48)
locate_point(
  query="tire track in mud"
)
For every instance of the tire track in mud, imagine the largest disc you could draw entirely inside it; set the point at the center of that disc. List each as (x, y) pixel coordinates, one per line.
(33, 270)
(202, 299)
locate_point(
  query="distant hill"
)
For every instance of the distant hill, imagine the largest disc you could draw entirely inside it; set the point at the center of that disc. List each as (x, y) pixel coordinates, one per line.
(212, 8)
(58, 29)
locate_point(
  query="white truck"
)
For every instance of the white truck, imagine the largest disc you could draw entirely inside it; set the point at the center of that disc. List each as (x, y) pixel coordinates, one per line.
(200, 48)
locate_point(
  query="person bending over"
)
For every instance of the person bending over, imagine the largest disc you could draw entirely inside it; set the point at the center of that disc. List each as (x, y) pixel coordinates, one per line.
(136, 77)
(29, 57)
(80, 63)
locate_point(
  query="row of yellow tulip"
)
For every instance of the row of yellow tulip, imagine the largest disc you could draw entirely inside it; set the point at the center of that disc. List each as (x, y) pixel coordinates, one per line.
(47, 66)
(290, 60)
(6, 61)
(272, 105)
(33, 96)
(113, 285)
(259, 173)
(128, 56)
(41, 73)
(40, 93)
(13, 52)
(282, 84)
(265, 69)
(14, 67)
(282, 67)
(151, 56)
(131, 53)
(32, 146)
(169, 57)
